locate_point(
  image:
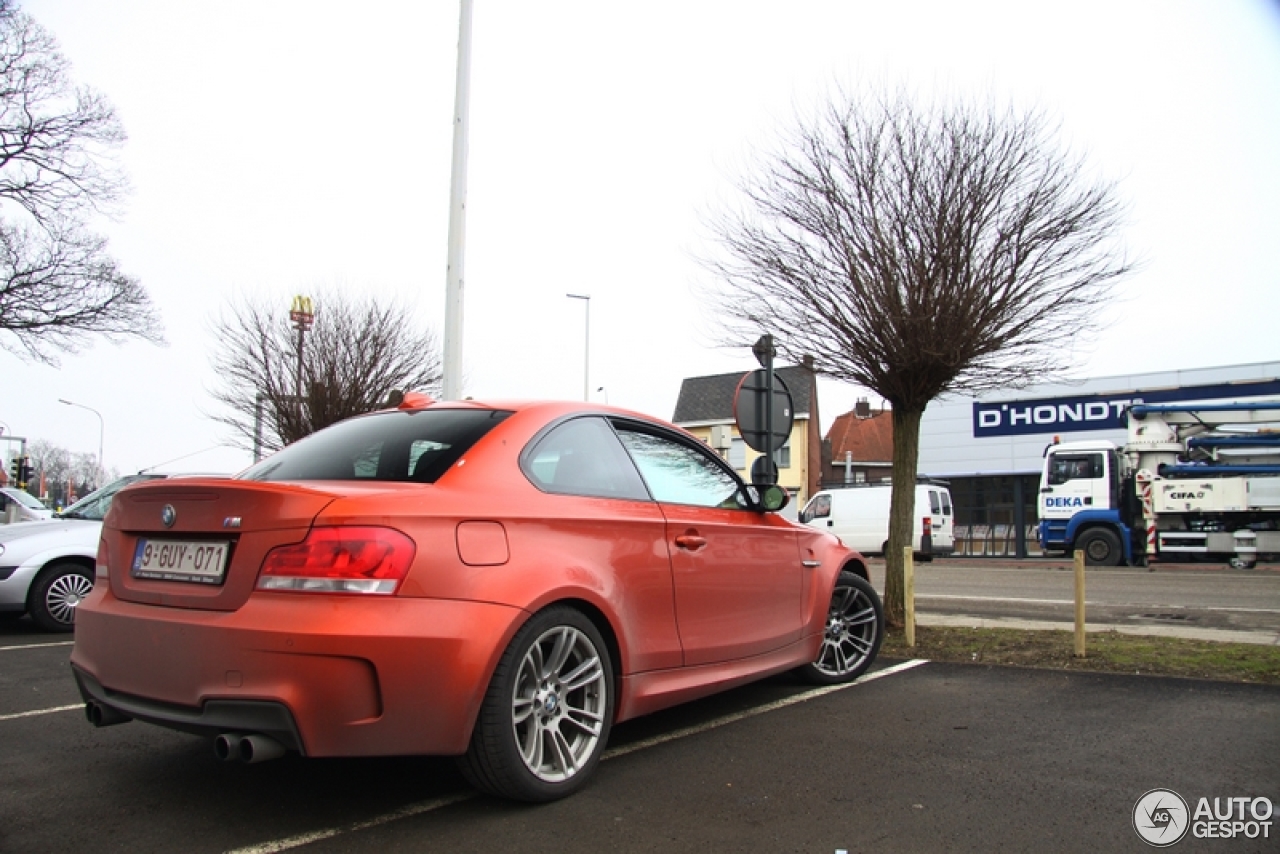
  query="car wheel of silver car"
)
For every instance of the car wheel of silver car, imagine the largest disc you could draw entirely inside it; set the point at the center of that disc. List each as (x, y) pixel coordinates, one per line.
(56, 593)
(546, 717)
(852, 635)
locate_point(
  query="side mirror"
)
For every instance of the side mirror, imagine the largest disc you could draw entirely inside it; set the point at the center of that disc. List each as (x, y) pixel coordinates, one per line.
(773, 498)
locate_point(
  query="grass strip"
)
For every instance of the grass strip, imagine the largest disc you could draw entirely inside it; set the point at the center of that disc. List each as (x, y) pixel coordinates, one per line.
(1106, 652)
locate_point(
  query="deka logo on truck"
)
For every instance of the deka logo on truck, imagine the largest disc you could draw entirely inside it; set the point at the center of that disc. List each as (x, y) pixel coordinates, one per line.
(1064, 501)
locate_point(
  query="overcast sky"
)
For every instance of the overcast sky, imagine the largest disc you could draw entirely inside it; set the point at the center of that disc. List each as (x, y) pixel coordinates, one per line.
(285, 146)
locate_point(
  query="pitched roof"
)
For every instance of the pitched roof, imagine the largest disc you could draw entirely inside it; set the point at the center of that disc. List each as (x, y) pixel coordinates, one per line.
(711, 398)
(868, 439)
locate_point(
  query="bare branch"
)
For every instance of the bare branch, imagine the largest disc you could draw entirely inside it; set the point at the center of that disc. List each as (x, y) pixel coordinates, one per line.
(917, 252)
(58, 285)
(357, 352)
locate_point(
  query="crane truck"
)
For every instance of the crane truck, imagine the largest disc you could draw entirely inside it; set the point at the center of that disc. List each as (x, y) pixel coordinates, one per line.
(1192, 480)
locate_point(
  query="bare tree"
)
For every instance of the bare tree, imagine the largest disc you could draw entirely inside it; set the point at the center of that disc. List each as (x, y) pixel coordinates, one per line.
(62, 473)
(50, 461)
(358, 351)
(915, 252)
(58, 285)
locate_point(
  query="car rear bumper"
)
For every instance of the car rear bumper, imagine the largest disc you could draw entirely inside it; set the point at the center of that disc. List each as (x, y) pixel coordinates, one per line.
(326, 675)
(211, 718)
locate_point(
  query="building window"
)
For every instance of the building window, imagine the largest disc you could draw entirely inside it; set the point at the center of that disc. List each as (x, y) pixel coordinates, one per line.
(784, 456)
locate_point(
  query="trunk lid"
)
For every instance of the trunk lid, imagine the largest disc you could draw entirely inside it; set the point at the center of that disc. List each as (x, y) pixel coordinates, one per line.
(200, 542)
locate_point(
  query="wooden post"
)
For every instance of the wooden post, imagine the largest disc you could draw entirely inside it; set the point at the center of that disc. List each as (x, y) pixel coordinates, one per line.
(1079, 566)
(909, 594)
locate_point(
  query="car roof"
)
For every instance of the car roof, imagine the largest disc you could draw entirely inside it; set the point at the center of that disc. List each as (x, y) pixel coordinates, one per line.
(548, 409)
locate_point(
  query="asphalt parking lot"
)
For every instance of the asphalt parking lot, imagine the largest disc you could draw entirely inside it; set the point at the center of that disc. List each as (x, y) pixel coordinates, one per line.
(932, 757)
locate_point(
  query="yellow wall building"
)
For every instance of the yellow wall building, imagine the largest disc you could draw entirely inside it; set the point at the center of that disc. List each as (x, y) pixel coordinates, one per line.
(705, 409)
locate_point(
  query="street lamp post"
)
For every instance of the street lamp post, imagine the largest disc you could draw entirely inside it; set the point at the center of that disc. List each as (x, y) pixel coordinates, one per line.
(102, 429)
(586, 347)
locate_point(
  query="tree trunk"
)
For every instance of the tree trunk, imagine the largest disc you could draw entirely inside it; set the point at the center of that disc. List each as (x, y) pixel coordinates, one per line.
(906, 453)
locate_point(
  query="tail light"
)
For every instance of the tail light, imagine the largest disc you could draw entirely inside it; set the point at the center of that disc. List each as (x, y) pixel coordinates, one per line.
(340, 560)
(928, 525)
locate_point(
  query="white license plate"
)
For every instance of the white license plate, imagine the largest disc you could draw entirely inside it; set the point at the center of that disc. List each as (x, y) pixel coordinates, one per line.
(176, 560)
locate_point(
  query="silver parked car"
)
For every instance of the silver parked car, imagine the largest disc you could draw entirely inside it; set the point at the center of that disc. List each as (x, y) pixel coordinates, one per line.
(47, 565)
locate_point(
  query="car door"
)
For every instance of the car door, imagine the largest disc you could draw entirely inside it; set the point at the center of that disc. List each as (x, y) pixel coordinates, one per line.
(737, 572)
(1076, 481)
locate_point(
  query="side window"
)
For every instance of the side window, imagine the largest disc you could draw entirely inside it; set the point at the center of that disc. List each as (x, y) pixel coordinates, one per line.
(680, 474)
(935, 506)
(583, 457)
(946, 503)
(1065, 467)
(818, 508)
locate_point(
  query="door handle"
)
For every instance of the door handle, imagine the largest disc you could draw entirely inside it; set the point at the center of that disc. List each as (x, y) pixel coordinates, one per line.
(692, 542)
(1047, 489)
(830, 523)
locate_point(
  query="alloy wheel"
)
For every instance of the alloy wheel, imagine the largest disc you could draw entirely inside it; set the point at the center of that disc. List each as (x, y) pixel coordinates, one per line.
(559, 703)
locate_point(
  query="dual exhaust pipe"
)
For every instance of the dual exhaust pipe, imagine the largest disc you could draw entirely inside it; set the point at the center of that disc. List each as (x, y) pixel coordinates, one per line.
(229, 746)
(100, 715)
(247, 748)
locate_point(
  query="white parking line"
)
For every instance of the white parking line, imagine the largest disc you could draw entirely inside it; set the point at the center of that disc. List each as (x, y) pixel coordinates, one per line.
(307, 838)
(438, 803)
(40, 712)
(759, 710)
(36, 645)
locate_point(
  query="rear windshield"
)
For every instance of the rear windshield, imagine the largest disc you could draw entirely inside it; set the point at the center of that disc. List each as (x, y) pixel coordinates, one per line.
(418, 446)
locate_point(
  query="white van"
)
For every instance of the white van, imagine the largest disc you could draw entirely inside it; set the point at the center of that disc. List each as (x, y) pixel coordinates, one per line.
(859, 516)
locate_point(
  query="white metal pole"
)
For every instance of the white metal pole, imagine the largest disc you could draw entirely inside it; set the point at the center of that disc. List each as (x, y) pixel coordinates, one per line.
(453, 301)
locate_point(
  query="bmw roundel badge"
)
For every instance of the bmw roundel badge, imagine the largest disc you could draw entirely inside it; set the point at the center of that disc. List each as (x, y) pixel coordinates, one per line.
(168, 515)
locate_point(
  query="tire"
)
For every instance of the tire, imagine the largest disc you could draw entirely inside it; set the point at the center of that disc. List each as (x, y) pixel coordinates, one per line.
(854, 630)
(1101, 547)
(57, 590)
(546, 716)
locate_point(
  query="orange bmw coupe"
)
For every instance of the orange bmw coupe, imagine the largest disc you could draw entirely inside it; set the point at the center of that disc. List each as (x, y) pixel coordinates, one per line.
(496, 582)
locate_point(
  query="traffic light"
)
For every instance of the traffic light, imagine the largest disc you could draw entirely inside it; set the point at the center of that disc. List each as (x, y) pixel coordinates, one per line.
(28, 472)
(15, 471)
